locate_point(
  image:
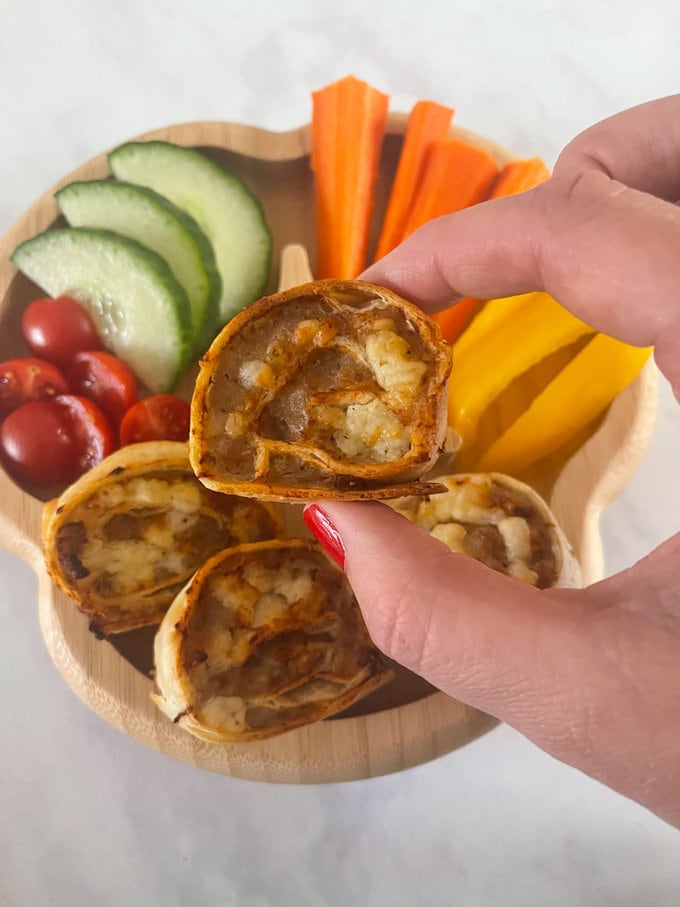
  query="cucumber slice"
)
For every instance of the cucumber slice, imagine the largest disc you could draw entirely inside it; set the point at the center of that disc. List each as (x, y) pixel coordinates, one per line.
(139, 307)
(224, 208)
(141, 214)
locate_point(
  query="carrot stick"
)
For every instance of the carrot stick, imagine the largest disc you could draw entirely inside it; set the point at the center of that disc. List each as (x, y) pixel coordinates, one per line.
(427, 122)
(516, 176)
(348, 126)
(456, 175)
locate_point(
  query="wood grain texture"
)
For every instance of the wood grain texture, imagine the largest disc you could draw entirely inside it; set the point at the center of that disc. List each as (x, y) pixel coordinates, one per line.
(416, 724)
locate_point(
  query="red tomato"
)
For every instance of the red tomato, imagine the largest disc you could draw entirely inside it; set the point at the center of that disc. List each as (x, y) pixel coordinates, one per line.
(36, 445)
(52, 442)
(106, 380)
(91, 431)
(26, 380)
(57, 329)
(161, 417)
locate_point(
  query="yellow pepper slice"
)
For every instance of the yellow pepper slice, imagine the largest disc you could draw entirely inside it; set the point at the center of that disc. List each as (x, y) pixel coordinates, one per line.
(571, 401)
(506, 338)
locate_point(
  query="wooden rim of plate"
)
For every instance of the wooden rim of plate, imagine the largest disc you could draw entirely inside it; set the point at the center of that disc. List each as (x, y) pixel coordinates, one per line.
(333, 750)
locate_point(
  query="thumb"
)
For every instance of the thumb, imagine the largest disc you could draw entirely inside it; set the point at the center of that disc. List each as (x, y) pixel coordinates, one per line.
(590, 675)
(491, 641)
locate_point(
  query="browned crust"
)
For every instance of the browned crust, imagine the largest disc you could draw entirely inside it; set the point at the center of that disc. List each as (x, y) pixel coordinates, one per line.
(169, 647)
(520, 497)
(131, 461)
(284, 495)
(102, 625)
(363, 482)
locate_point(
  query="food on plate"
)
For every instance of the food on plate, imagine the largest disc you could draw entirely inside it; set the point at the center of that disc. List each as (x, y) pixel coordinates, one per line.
(501, 522)
(529, 377)
(427, 123)
(334, 389)
(143, 215)
(88, 406)
(246, 712)
(57, 329)
(516, 176)
(436, 174)
(124, 539)
(567, 404)
(105, 380)
(26, 380)
(457, 174)
(49, 443)
(223, 207)
(348, 126)
(265, 638)
(160, 417)
(519, 176)
(506, 339)
(140, 310)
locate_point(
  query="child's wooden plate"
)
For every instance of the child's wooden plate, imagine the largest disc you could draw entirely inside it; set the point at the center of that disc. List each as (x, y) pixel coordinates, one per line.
(399, 726)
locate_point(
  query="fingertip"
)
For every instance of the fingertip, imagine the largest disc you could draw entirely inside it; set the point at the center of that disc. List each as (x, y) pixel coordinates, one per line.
(325, 532)
(485, 250)
(413, 270)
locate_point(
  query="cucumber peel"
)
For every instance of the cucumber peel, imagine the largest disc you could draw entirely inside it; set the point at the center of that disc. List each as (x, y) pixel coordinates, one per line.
(141, 214)
(224, 208)
(141, 310)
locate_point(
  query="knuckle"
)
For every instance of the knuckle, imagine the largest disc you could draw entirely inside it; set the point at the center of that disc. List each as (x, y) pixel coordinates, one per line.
(577, 194)
(571, 207)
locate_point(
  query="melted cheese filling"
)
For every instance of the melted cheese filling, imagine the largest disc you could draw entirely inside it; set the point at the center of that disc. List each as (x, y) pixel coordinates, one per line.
(396, 371)
(255, 598)
(154, 549)
(134, 563)
(370, 431)
(148, 492)
(256, 374)
(469, 503)
(246, 610)
(364, 430)
(228, 713)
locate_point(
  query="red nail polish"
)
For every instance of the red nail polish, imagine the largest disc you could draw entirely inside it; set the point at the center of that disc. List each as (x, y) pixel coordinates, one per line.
(325, 532)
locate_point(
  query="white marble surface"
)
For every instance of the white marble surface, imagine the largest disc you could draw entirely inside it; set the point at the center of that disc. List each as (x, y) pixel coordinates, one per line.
(87, 816)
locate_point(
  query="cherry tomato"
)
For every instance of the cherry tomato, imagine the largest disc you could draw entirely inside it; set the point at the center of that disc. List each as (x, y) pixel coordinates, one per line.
(57, 329)
(26, 380)
(52, 442)
(36, 445)
(161, 417)
(104, 379)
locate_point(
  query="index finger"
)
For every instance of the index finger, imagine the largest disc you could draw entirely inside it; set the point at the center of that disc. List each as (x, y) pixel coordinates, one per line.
(606, 251)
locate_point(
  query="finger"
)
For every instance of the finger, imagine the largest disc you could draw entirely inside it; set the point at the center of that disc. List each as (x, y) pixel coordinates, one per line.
(638, 147)
(651, 588)
(488, 640)
(589, 681)
(592, 236)
(606, 252)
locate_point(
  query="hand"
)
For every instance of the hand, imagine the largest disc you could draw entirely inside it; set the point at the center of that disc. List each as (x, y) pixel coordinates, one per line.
(592, 676)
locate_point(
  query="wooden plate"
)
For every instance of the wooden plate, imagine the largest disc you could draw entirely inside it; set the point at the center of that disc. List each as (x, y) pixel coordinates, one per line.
(407, 722)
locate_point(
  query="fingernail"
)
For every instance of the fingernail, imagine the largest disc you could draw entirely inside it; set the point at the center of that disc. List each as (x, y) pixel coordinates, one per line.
(325, 532)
